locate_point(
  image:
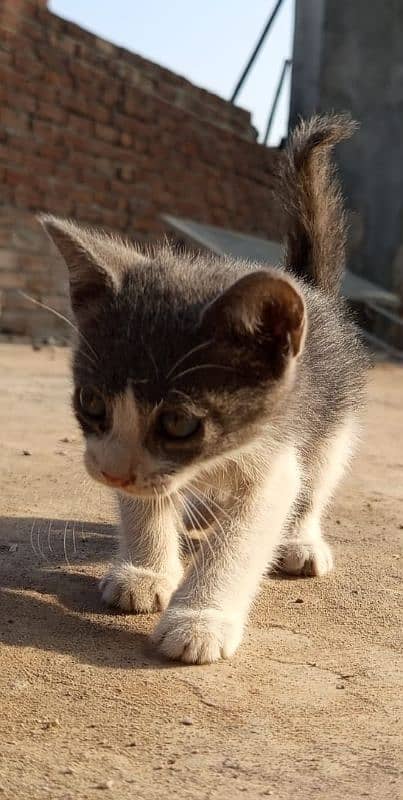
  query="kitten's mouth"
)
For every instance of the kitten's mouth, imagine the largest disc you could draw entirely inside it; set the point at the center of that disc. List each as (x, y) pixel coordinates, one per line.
(157, 487)
(147, 492)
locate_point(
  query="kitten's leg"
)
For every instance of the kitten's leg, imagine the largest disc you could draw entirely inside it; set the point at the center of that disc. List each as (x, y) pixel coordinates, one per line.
(148, 568)
(304, 550)
(207, 614)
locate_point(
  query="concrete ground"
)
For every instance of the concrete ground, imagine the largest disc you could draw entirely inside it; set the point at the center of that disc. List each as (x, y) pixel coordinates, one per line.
(306, 709)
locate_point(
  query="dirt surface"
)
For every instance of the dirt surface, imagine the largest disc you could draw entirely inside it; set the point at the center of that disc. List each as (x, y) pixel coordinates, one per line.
(307, 708)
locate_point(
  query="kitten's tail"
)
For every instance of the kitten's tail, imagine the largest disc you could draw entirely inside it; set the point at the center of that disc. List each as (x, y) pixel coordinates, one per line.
(310, 191)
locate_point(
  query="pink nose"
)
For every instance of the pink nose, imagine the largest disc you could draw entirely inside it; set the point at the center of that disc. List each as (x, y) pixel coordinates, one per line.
(116, 480)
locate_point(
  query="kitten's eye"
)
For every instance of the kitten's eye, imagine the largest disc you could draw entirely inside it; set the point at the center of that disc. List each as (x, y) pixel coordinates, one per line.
(176, 425)
(92, 402)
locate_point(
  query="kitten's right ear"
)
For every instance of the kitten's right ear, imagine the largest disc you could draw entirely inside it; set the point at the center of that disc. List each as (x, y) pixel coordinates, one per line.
(93, 271)
(261, 307)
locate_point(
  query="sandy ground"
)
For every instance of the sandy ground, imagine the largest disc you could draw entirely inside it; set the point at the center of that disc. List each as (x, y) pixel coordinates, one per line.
(306, 709)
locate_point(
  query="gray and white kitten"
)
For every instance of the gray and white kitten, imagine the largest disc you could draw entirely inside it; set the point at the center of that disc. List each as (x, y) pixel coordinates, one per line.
(216, 390)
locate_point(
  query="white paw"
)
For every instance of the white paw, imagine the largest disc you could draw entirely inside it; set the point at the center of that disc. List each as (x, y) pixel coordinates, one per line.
(137, 590)
(197, 636)
(306, 558)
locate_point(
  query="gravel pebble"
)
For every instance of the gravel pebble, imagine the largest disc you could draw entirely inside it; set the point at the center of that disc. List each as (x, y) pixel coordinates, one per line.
(105, 785)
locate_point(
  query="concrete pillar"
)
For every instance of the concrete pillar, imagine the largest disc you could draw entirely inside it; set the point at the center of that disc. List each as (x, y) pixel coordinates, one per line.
(349, 56)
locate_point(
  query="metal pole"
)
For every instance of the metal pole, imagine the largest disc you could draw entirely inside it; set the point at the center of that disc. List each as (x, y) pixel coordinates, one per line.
(255, 52)
(286, 65)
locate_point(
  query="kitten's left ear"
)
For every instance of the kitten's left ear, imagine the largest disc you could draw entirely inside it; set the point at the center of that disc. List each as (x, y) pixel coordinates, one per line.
(262, 305)
(96, 261)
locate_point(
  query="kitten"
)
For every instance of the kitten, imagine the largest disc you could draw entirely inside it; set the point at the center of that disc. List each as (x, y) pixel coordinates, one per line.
(217, 390)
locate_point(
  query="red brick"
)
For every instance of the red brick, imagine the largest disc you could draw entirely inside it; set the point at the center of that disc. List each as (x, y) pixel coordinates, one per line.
(28, 197)
(83, 195)
(81, 125)
(115, 220)
(11, 280)
(91, 214)
(15, 177)
(126, 139)
(98, 183)
(51, 153)
(84, 72)
(106, 167)
(8, 259)
(69, 45)
(51, 111)
(105, 150)
(74, 101)
(14, 120)
(107, 133)
(101, 114)
(73, 143)
(112, 94)
(47, 131)
(61, 80)
(126, 173)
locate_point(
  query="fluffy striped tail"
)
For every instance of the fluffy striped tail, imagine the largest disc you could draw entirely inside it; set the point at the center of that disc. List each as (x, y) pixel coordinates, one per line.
(310, 191)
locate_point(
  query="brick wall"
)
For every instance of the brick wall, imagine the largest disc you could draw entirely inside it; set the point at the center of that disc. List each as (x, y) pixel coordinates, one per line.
(92, 131)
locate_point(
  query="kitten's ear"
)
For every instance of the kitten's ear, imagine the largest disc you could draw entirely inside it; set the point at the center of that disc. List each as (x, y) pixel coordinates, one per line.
(264, 306)
(89, 255)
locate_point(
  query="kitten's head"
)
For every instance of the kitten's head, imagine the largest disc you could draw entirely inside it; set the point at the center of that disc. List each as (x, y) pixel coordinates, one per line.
(179, 363)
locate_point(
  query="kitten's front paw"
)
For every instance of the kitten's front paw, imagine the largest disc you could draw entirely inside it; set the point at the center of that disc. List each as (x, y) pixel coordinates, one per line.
(311, 559)
(137, 590)
(197, 636)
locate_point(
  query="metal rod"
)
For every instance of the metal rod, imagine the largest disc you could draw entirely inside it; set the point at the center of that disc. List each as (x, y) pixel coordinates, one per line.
(255, 51)
(286, 65)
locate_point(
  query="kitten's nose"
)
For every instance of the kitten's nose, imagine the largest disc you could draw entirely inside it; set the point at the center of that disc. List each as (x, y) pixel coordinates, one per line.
(118, 480)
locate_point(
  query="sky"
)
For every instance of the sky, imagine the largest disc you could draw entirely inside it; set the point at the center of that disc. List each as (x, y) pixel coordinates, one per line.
(208, 42)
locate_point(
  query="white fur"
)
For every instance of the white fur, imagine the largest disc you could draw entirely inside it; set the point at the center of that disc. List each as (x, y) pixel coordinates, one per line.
(207, 614)
(148, 568)
(198, 636)
(137, 590)
(304, 551)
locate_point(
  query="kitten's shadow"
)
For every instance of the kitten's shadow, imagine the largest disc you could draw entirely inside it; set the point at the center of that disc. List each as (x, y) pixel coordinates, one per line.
(53, 604)
(49, 596)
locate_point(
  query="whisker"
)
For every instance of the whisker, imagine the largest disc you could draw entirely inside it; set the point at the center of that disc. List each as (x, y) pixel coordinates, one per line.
(195, 511)
(31, 538)
(197, 492)
(74, 539)
(64, 544)
(182, 394)
(61, 316)
(159, 505)
(193, 556)
(193, 559)
(203, 366)
(210, 511)
(152, 359)
(197, 528)
(139, 380)
(49, 536)
(38, 539)
(187, 355)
